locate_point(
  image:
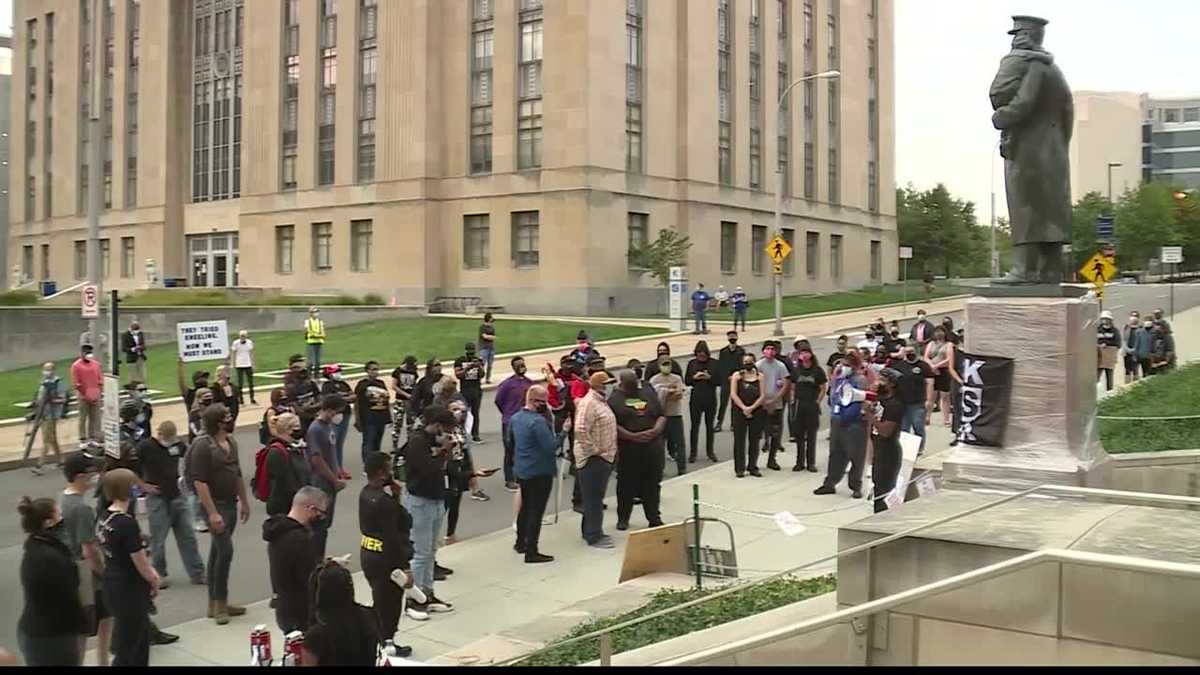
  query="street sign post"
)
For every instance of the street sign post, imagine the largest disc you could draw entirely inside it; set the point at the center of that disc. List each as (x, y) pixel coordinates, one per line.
(1172, 255)
(1104, 228)
(1099, 270)
(778, 250)
(677, 297)
(89, 302)
(905, 255)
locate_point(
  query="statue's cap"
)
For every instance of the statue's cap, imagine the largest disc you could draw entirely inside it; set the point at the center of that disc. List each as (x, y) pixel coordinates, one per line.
(1022, 22)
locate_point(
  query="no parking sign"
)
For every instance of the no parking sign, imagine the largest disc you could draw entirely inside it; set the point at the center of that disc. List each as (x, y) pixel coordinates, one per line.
(89, 302)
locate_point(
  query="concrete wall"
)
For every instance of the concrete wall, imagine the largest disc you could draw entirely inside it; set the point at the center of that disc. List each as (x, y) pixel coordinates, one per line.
(1175, 472)
(32, 336)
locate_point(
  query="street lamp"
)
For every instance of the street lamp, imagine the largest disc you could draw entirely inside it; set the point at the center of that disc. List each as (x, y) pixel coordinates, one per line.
(828, 74)
(1110, 168)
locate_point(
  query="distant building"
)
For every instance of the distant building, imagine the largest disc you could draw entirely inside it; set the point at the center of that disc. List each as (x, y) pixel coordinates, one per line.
(1149, 138)
(5, 119)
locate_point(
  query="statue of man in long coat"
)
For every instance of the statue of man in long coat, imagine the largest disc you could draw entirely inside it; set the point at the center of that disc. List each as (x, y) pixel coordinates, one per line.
(1035, 114)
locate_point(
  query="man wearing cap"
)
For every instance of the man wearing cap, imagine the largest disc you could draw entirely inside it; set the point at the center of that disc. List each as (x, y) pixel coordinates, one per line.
(584, 351)
(314, 339)
(741, 303)
(1035, 115)
(883, 419)
(1108, 345)
(594, 455)
(169, 512)
(199, 381)
(78, 532)
(470, 370)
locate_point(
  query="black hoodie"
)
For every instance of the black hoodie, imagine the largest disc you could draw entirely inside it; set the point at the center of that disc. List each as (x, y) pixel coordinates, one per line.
(293, 557)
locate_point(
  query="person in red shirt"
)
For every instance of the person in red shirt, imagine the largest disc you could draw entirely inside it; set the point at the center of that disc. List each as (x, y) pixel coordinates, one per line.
(88, 379)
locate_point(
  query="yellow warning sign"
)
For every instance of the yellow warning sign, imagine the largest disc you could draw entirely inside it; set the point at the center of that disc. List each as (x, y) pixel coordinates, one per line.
(1099, 270)
(776, 269)
(777, 250)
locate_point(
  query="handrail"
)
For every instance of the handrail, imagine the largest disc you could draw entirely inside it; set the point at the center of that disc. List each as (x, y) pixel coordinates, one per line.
(1103, 560)
(1171, 500)
(67, 290)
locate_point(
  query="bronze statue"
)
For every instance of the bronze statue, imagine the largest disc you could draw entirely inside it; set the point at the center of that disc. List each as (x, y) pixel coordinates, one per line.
(1035, 114)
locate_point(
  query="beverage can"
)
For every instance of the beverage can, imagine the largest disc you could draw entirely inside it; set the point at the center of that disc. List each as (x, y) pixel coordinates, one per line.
(293, 649)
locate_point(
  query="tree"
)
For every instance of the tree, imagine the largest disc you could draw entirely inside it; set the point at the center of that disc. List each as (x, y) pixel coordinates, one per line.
(1145, 221)
(656, 258)
(943, 232)
(1083, 227)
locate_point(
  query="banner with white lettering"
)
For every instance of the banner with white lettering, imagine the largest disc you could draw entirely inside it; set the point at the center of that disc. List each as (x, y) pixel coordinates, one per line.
(203, 340)
(984, 398)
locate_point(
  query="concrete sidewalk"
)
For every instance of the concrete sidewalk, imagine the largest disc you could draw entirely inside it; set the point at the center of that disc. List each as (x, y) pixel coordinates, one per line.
(618, 352)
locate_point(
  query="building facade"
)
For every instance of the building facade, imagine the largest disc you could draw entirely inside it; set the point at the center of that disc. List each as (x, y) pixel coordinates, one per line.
(5, 159)
(432, 148)
(1150, 138)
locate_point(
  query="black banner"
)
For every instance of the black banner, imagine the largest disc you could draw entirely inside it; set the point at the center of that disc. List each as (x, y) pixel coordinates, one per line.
(983, 398)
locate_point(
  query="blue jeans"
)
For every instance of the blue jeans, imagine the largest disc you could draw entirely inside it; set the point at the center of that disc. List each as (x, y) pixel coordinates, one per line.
(314, 359)
(372, 438)
(488, 354)
(173, 515)
(739, 316)
(427, 517)
(339, 439)
(701, 321)
(914, 421)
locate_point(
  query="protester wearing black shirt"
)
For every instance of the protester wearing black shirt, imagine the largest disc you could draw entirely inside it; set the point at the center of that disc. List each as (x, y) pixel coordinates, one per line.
(303, 393)
(199, 381)
(425, 457)
(469, 369)
(703, 377)
(168, 510)
(225, 393)
(130, 582)
(336, 385)
(52, 618)
(293, 556)
(342, 632)
(808, 390)
(663, 350)
(884, 420)
(640, 455)
(729, 361)
(422, 396)
(835, 359)
(915, 391)
(386, 544)
(287, 467)
(371, 410)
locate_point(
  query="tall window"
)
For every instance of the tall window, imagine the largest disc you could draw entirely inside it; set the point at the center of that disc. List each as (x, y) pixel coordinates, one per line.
(529, 122)
(756, 82)
(86, 38)
(360, 245)
(31, 41)
(835, 107)
(758, 245)
(810, 104)
(639, 233)
(812, 247)
(789, 263)
(80, 260)
(728, 247)
(327, 100)
(26, 263)
(107, 93)
(873, 107)
(48, 124)
(835, 256)
(724, 93)
(483, 30)
(525, 234)
(784, 124)
(128, 257)
(368, 13)
(633, 86)
(217, 100)
(477, 240)
(133, 19)
(105, 258)
(291, 93)
(876, 262)
(322, 246)
(45, 262)
(285, 245)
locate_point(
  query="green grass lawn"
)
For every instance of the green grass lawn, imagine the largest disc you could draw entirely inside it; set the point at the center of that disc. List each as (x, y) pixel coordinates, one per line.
(800, 305)
(385, 341)
(1173, 394)
(738, 605)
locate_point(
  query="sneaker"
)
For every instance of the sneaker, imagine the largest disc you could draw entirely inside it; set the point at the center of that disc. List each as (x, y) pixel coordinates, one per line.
(533, 558)
(547, 521)
(603, 542)
(519, 548)
(478, 441)
(692, 459)
(622, 525)
(443, 570)
(812, 469)
(756, 473)
(438, 575)
(741, 474)
(396, 651)
(655, 523)
(825, 490)
(163, 638)
(417, 611)
(511, 486)
(37, 471)
(857, 494)
(713, 458)
(798, 468)
(200, 581)
(637, 500)
(480, 496)
(437, 606)
(201, 527)
(164, 582)
(774, 466)
(717, 429)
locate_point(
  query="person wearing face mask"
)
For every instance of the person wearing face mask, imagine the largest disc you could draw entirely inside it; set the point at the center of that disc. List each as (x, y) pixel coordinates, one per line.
(385, 550)
(510, 397)
(130, 582)
(1162, 354)
(314, 339)
(1159, 317)
(78, 532)
(804, 419)
(535, 466)
(302, 391)
(1108, 345)
(425, 500)
(133, 346)
(584, 350)
(747, 419)
(915, 392)
(883, 418)
(292, 556)
(847, 431)
(335, 385)
(729, 361)
(1130, 337)
(1145, 346)
(741, 304)
(404, 383)
(940, 355)
(52, 617)
(88, 380)
(199, 381)
(702, 376)
(776, 387)
(669, 389)
(423, 392)
(948, 325)
(225, 393)
(371, 403)
(469, 369)
(663, 350)
(168, 509)
(921, 333)
(286, 465)
(324, 470)
(835, 359)
(594, 454)
(139, 394)
(640, 457)
(50, 403)
(870, 341)
(241, 353)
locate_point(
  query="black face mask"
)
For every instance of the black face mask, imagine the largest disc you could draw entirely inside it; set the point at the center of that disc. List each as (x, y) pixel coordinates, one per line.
(639, 371)
(911, 358)
(520, 370)
(747, 367)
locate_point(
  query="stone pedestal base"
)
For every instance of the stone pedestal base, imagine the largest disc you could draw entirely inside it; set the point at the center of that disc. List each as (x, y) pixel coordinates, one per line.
(1051, 434)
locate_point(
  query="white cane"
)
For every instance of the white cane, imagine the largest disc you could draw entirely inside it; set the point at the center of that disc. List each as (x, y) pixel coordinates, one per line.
(558, 480)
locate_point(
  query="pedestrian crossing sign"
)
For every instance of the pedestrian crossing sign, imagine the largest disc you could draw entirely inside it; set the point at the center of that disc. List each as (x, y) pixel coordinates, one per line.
(1099, 270)
(778, 249)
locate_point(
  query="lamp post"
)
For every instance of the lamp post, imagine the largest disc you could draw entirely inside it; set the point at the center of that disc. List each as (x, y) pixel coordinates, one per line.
(828, 74)
(99, 38)
(1110, 168)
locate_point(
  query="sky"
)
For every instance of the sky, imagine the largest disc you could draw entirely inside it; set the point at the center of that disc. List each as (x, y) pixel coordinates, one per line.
(947, 52)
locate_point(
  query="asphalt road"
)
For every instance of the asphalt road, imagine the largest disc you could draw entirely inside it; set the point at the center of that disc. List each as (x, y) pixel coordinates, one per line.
(250, 579)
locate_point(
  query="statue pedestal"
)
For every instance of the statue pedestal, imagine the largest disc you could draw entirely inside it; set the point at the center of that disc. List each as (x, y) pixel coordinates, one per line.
(1051, 435)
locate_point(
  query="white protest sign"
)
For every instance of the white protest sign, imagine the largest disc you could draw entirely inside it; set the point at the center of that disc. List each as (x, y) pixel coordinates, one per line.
(203, 340)
(788, 523)
(910, 445)
(111, 420)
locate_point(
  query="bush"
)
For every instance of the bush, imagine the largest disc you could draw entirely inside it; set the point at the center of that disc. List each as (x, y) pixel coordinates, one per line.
(738, 605)
(373, 299)
(18, 298)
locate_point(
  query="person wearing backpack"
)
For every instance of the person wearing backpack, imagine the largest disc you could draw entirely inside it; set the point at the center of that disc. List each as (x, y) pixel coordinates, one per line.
(847, 431)
(280, 469)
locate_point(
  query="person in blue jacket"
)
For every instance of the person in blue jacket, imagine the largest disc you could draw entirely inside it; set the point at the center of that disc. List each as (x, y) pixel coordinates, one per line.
(535, 463)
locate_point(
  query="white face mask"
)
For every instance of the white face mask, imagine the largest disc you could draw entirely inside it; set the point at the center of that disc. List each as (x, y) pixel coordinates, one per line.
(337, 377)
(88, 357)
(337, 419)
(847, 371)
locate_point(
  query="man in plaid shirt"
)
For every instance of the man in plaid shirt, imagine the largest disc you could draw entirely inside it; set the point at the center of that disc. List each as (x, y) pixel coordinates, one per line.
(595, 454)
